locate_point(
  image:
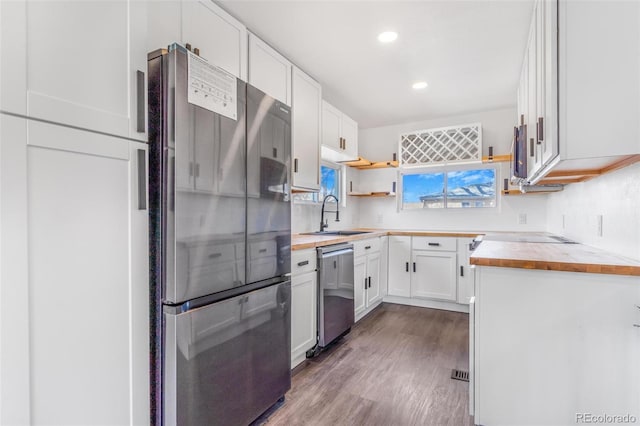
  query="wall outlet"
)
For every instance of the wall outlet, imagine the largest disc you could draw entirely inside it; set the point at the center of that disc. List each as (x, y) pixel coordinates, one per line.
(599, 225)
(522, 219)
(380, 218)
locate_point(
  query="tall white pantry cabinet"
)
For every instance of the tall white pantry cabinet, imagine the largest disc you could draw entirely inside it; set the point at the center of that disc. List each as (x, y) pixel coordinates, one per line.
(74, 298)
(74, 295)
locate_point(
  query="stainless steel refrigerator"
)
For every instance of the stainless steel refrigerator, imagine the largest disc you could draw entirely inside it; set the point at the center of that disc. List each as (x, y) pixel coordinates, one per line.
(219, 174)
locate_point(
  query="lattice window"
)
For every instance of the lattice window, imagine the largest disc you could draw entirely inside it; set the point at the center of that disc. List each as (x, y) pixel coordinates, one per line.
(455, 144)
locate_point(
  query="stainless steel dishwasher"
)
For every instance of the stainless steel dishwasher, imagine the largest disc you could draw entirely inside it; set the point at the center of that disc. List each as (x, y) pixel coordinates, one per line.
(336, 292)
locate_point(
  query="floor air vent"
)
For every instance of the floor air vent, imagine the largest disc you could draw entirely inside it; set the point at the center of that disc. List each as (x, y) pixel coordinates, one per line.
(460, 375)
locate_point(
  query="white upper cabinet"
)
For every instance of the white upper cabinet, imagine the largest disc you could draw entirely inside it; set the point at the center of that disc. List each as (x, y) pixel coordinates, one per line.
(339, 135)
(331, 131)
(306, 118)
(220, 38)
(76, 66)
(269, 71)
(576, 101)
(350, 136)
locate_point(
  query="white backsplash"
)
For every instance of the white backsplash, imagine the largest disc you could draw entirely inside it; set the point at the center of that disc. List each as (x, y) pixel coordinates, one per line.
(614, 196)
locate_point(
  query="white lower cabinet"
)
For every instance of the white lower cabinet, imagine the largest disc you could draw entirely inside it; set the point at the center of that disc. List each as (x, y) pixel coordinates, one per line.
(430, 271)
(434, 275)
(304, 304)
(551, 346)
(360, 283)
(399, 282)
(78, 276)
(466, 274)
(366, 276)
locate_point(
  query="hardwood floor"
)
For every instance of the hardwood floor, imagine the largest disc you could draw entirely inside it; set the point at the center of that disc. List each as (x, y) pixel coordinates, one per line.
(394, 368)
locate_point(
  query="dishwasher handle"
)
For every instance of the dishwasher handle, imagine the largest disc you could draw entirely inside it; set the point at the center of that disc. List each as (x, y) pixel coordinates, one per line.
(336, 253)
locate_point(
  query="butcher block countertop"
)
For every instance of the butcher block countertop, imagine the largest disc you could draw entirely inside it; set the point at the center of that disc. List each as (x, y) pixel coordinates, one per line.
(552, 257)
(302, 241)
(507, 254)
(305, 241)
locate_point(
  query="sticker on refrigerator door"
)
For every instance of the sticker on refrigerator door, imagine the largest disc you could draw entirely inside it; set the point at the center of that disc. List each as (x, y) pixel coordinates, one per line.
(211, 87)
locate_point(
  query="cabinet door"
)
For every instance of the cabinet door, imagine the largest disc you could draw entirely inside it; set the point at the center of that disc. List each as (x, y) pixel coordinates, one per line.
(434, 275)
(139, 279)
(80, 279)
(373, 274)
(399, 282)
(269, 71)
(222, 39)
(331, 132)
(548, 100)
(359, 280)
(349, 130)
(466, 275)
(306, 116)
(304, 294)
(531, 118)
(77, 64)
(384, 265)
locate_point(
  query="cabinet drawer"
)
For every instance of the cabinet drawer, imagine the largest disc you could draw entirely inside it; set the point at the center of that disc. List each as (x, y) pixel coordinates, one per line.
(368, 246)
(262, 249)
(211, 254)
(435, 243)
(303, 261)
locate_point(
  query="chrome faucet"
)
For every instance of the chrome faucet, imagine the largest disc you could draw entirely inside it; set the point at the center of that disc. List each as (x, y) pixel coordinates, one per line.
(336, 211)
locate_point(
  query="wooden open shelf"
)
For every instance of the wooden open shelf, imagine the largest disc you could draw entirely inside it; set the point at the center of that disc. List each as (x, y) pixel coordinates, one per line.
(567, 177)
(518, 192)
(372, 194)
(364, 164)
(573, 176)
(497, 159)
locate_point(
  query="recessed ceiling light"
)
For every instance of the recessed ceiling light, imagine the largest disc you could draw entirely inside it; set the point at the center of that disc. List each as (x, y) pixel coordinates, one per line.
(420, 85)
(387, 36)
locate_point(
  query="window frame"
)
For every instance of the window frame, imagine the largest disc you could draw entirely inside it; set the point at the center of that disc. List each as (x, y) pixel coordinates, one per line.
(446, 170)
(341, 185)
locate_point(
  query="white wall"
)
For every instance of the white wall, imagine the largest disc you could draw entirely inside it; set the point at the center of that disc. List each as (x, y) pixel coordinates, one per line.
(306, 217)
(615, 196)
(380, 143)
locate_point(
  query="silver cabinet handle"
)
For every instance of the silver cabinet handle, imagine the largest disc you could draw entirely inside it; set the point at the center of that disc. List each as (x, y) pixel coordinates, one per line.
(140, 127)
(303, 263)
(142, 179)
(434, 244)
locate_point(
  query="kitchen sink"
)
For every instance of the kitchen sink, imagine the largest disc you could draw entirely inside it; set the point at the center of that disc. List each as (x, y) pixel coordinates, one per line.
(336, 233)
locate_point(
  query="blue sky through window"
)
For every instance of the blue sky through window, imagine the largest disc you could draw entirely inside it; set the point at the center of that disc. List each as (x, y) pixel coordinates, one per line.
(416, 186)
(464, 188)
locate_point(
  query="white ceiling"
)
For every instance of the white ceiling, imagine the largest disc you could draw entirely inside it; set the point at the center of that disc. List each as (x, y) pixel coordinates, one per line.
(469, 52)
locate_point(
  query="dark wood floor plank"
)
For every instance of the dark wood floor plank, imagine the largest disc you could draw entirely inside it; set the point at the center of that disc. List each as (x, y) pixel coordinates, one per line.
(394, 368)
